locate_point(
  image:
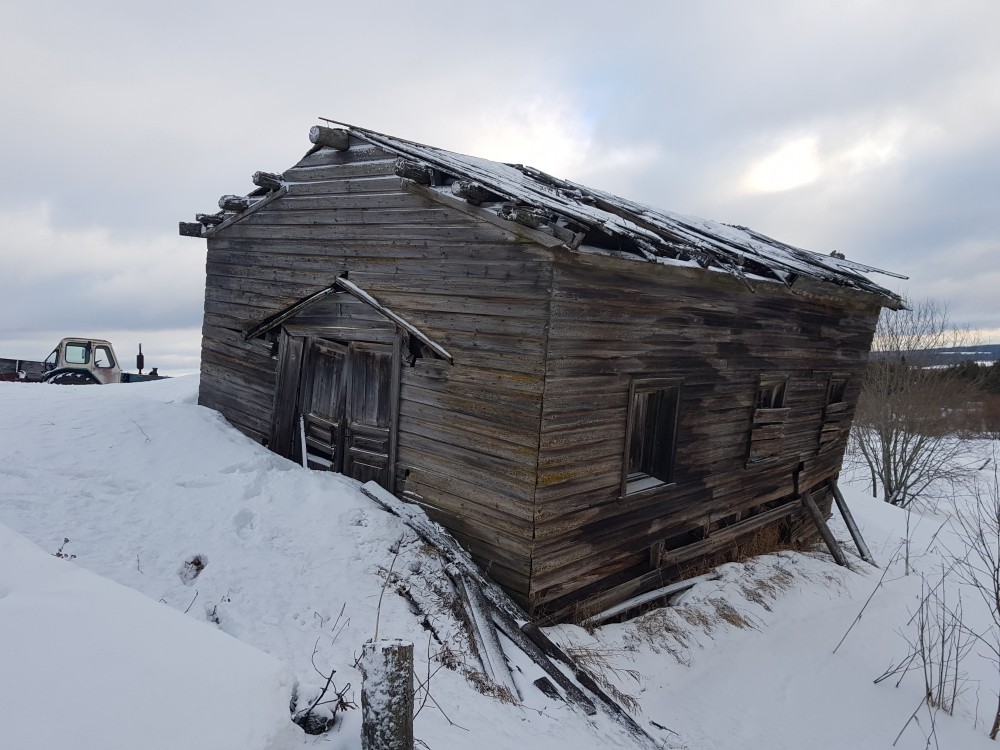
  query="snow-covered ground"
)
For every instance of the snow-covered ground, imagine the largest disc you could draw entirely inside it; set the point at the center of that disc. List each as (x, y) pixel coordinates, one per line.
(140, 479)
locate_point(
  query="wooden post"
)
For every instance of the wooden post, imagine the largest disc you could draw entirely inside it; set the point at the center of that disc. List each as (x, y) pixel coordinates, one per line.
(824, 530)
(387, 696)
(851, 525)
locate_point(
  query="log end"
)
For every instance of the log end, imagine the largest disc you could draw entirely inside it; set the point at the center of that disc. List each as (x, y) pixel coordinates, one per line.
(189, 229)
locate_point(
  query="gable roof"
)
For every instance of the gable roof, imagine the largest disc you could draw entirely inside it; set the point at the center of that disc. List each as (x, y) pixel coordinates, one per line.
(565, 213)
(641, 231)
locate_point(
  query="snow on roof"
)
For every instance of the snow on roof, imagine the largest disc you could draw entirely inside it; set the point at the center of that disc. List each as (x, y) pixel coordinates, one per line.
(650, 233)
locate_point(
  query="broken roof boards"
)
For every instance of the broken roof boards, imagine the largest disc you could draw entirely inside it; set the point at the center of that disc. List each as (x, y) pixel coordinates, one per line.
(509, 343)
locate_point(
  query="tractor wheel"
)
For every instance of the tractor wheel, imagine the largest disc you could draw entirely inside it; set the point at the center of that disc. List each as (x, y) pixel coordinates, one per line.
(73, 377)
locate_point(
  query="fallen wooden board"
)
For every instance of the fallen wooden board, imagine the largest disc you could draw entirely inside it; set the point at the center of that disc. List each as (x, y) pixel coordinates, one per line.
(580, 690)
(649, 596)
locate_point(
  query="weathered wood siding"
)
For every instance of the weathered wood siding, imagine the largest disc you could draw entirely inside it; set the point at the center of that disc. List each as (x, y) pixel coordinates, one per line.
(518, 447)
(468, 433)
(614, 319)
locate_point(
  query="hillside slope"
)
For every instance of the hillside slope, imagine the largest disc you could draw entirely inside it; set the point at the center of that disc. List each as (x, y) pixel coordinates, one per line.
(140, 479)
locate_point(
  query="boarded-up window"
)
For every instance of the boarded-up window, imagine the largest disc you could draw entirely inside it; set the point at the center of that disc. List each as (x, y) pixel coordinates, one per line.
(652, 434)
(836, 415)
(767, 426)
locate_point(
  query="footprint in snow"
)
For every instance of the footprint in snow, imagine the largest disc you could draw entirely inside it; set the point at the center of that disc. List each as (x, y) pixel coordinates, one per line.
(243, 522)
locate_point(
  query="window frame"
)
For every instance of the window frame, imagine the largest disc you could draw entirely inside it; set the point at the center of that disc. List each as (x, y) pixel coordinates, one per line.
(83, 345)
(778, 387)
(110, 355)
(770, 412)
(640, 386)
(833, 411)
(844, 380)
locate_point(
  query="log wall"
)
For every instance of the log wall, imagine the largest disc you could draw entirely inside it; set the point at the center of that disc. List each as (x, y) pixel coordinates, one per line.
(613, 320)
(518, 447)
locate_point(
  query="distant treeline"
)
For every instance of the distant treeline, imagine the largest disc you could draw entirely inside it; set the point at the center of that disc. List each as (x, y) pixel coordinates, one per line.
(987, 376)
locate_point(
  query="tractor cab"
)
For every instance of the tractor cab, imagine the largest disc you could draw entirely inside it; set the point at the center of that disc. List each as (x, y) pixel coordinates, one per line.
(77, 361)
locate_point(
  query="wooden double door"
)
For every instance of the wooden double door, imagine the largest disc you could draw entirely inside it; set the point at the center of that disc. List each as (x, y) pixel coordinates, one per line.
(346, 403)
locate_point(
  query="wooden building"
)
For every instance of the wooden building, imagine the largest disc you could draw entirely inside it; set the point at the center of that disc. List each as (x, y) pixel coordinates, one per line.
(592, 395)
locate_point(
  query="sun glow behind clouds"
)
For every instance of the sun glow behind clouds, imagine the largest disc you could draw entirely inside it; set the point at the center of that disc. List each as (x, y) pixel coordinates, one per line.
(793, 165)
(542, 133)
(804, 160)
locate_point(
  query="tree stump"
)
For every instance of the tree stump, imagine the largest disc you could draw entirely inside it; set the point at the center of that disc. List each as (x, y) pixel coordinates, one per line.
(387, 696)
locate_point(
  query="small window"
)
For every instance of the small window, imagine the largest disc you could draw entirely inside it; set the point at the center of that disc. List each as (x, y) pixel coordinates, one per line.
(835, 413)
(103, 357)
(53, 359)
(652, 435)
(77, 354)
(771, 394)
(836, 390)
(767, 424)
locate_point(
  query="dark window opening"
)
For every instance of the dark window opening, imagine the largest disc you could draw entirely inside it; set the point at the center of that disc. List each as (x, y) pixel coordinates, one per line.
(652, 438)
(771, 394)
(835, 393)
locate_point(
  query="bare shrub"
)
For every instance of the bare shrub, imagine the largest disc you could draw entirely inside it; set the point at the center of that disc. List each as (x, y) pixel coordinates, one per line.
(905, 429)
(938, 645)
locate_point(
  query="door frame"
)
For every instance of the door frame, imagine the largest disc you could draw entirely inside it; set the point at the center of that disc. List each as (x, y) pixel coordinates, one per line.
(294, 346)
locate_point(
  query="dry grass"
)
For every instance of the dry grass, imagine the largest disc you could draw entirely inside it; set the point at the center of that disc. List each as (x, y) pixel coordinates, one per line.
(762, 591)
(595, 660)
(765, 541)
(485, 686)
(728, 613)
(663, 630)
(697, 617)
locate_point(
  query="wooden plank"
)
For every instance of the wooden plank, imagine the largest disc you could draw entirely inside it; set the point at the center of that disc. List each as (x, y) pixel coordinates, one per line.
(373, 168)
(824, 530)
(452, 232)
(643, 600)
(461, 498)
(340, 186)
(358, 152)
(852, 526)
(407, 216)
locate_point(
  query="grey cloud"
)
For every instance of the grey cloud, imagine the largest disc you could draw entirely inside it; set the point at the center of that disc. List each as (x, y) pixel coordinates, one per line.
(127, 118)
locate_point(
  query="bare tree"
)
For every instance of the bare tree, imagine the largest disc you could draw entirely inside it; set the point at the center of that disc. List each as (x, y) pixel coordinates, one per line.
(906, 425)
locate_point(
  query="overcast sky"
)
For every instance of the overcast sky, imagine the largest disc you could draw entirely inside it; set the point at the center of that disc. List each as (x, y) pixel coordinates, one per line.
(871, 128)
